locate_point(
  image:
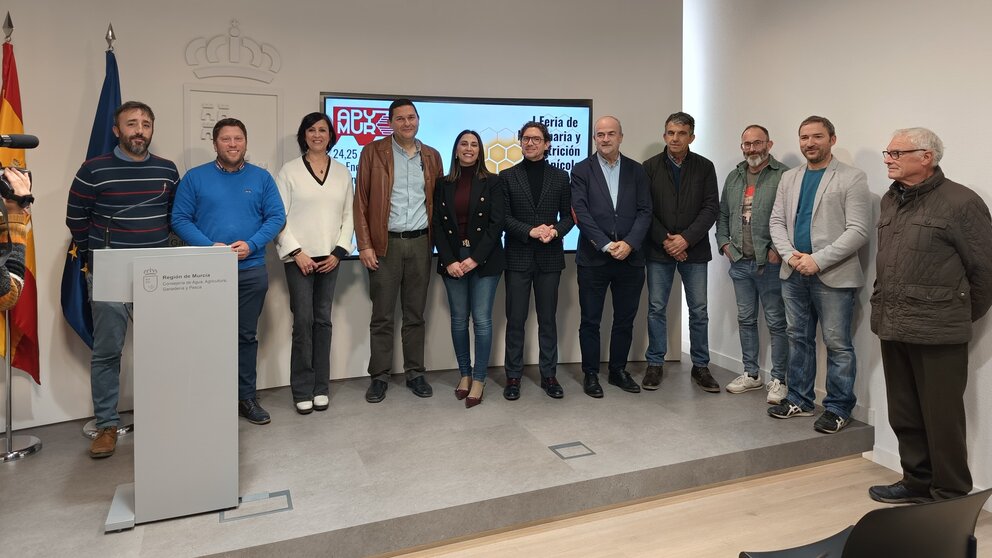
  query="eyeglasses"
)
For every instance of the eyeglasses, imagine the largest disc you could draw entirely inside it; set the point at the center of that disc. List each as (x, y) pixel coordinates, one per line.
(896, 154)
(532, 139)
(755, 144)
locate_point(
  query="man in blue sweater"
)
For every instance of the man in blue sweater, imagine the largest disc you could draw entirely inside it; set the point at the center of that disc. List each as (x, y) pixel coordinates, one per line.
(229, 202)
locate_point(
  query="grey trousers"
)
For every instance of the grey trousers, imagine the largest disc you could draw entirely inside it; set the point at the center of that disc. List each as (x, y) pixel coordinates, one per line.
(404, 271)
(311, 298)
(110, 322)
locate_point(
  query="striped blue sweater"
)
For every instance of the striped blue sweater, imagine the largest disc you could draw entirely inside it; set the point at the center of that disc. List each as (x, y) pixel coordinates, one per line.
(107, 186)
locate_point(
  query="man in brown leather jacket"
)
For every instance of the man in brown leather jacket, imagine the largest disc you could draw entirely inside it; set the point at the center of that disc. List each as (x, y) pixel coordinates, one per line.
(933, 279)
(392, 208)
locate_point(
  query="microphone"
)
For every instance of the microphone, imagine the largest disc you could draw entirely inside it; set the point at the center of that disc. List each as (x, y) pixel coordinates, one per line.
(18, 141)
(110, 222)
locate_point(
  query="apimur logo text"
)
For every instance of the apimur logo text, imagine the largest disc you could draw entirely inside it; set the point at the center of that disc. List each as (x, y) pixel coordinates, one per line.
(363, 123)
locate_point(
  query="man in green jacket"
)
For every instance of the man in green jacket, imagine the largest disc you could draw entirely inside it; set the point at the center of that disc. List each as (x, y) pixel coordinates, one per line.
(743, 237)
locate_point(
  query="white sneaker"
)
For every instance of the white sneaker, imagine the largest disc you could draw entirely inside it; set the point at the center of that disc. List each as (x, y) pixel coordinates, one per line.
(743, 383)
(320, 402)
(776, 392)
(304, 407)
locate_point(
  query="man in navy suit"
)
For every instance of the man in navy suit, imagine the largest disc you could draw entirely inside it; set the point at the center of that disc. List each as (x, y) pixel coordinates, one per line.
(611, 199)
(537, 204)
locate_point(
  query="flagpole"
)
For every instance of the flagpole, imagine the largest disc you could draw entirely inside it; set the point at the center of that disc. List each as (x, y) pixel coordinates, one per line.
(126, 424)
(16, 447)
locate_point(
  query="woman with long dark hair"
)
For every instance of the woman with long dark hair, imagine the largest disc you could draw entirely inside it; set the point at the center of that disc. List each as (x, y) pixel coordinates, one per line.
(468, 228)
(317, 192)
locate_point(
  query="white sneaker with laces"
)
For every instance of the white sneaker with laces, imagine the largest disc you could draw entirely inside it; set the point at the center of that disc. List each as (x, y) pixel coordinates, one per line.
(743, 383)
(776, 392)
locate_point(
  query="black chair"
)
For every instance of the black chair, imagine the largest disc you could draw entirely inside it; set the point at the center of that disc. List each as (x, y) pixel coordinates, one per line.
(942, 529)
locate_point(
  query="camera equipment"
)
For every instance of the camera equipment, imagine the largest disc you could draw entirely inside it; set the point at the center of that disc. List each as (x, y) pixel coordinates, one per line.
(16, 141)
(7, 191)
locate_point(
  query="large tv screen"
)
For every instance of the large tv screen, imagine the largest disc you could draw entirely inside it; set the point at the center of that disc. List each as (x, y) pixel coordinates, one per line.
(362, 118)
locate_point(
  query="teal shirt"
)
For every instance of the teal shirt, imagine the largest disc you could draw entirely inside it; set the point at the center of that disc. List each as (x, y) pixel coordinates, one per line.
(804, 213)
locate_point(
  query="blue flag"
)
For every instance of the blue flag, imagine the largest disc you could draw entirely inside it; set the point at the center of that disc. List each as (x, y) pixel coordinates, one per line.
(102, 138)
(75, 298)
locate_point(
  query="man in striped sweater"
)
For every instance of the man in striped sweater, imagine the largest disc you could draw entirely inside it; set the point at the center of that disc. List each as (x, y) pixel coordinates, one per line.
(118, 200)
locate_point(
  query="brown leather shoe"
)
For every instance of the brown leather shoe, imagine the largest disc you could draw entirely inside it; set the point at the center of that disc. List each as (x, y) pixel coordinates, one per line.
(105, 443)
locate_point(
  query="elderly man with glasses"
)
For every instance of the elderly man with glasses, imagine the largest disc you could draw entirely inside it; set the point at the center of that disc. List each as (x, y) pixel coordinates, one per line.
(933, 279)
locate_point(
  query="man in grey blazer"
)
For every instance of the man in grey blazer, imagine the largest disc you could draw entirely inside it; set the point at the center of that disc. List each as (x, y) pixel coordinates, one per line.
(820, 220)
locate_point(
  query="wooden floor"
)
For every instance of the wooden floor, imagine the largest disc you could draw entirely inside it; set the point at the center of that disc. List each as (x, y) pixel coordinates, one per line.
(770, 512)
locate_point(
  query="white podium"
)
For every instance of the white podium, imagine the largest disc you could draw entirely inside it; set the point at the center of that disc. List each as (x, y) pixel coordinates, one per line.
(185, 378)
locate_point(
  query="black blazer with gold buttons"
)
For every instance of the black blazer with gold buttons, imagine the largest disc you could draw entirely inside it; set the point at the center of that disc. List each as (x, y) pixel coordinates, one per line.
(485, 225)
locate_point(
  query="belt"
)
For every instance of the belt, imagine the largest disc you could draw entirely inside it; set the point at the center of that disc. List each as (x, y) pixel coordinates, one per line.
(408, 234)
(466, 243)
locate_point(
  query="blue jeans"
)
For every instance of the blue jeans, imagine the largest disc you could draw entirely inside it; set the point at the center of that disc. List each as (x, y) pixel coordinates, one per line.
(253, 283)
(472, 295)
(751, 284)
(808, 300)
(661, 275)
(110, 320)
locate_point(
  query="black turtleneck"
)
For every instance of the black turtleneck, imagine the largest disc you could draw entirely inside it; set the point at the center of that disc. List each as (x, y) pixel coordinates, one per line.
(535, 176)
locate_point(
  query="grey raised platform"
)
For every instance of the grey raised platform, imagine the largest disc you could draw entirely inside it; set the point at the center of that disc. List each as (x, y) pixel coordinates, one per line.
(367, 479)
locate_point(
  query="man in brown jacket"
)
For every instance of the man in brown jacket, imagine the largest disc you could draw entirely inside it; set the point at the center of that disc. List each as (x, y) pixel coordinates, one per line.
(393, 194)
(933, 279)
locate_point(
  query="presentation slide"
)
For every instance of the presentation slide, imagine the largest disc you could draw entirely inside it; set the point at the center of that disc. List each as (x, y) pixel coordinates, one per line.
(360, 119)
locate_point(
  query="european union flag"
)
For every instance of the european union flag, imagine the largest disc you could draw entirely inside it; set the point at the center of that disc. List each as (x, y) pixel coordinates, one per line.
(75, 297)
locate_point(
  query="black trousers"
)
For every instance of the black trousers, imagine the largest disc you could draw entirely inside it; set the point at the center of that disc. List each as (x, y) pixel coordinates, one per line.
(518, 287)
(625, 283)
(924, 386)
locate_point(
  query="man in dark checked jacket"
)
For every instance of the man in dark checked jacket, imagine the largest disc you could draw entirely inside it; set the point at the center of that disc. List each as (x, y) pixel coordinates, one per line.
(538, 215)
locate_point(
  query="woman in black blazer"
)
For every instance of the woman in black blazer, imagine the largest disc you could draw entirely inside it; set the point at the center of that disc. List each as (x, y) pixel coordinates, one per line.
(468, 230)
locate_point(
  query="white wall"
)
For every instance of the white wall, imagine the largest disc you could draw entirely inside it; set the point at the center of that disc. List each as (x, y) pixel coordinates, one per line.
(625, 56)
(871, 67)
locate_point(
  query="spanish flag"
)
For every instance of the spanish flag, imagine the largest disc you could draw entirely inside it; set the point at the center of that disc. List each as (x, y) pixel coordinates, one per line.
(24, 315)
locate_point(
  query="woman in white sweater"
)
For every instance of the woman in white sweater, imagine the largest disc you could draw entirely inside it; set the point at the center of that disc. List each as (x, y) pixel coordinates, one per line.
(317, 192)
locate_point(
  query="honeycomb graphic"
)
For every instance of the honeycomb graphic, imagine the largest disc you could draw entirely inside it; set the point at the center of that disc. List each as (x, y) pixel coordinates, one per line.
(502, 149)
